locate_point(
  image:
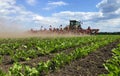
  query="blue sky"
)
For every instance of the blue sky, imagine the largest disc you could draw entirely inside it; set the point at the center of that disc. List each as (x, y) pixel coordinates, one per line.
(26, 14)
(40, 7)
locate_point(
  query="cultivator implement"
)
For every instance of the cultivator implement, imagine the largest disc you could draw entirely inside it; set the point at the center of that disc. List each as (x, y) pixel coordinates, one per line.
(74, 27)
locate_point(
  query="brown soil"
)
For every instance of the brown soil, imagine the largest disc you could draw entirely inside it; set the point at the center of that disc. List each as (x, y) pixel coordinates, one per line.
(91, 65)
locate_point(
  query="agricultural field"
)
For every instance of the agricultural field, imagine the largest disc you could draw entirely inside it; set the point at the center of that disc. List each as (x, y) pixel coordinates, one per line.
(60, 56)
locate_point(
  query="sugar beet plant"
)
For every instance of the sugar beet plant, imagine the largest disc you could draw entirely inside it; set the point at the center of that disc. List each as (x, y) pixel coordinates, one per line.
(37, 46)
(31, 48)
(62, 59)
(113, 65)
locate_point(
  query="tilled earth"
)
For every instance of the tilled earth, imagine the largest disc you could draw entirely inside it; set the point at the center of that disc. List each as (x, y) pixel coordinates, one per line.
(91, 65)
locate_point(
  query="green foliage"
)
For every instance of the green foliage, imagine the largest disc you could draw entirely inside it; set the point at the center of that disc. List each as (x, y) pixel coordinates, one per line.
(61, 59)
(16, 70)
(25, 49)
(2, 73)
(113, 65)
(30, 71)
(1, 58)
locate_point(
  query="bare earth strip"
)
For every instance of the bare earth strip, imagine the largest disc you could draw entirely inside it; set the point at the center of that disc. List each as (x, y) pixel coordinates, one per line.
(91, 65)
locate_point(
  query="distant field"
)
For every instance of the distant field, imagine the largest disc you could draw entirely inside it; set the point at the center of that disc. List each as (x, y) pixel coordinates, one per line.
(65, 55)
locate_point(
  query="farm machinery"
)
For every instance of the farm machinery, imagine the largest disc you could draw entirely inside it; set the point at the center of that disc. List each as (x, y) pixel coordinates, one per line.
(74, 27)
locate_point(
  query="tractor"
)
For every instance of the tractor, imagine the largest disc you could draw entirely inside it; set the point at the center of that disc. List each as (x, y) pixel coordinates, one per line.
(75, 27)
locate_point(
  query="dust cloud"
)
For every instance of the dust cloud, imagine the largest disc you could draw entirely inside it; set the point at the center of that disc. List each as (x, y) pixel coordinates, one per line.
(14, 30)
(27, 34)
(40, 35)
(9, 29)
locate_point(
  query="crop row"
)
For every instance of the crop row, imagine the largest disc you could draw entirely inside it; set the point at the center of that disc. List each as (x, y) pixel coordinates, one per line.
(62, 59)
(31, 48)
(113, 65)
(59, 60)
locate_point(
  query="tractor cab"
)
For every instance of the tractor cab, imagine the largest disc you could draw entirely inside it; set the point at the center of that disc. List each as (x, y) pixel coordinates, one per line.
(74, 24)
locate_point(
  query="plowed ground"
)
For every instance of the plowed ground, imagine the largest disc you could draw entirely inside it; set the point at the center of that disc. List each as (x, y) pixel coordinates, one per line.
(91, 65)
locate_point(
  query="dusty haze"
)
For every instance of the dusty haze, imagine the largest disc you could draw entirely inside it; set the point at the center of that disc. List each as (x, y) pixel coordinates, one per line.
(14, 30)
(10, 29)
(42, 35)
